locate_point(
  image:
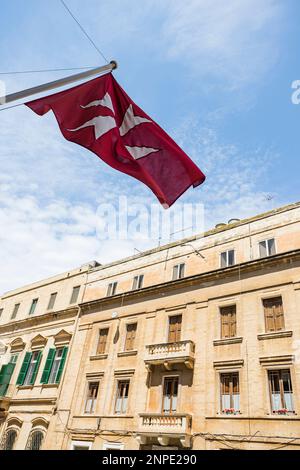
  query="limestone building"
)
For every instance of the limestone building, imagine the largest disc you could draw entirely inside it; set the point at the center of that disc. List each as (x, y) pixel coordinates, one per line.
(193, 345)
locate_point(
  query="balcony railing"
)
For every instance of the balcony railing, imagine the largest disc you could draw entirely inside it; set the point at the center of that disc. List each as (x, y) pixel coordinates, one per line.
(165, 427)
(168, 353)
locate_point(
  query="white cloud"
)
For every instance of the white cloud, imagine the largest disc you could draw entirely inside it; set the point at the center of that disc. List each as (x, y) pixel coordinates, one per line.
(235, 40)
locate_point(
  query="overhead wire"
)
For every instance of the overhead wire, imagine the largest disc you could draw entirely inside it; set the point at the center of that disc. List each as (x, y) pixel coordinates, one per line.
(83, 30)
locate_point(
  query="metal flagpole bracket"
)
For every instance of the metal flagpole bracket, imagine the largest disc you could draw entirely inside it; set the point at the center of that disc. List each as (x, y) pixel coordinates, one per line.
(57, 83)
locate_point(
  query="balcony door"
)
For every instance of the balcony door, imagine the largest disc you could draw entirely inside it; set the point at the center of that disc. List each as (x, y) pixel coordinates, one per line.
(174, 328)
(170, 395)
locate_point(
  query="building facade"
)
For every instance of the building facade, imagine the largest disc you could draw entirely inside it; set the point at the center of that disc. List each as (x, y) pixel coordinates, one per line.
(193, 345)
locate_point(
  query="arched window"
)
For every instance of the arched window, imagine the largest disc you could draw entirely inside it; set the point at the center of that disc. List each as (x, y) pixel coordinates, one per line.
(9, 439)
(35, 440)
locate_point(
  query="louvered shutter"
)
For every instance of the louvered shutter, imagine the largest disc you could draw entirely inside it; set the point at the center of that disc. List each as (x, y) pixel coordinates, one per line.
(24, 368)
(48, 366)
(62, 364)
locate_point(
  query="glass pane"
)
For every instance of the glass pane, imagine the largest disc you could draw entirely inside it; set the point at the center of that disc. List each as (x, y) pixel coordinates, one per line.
(231, 258)
(288, 398)
(236, 402)
(276, 402)
(262, 249)
(224, 260)
(271, 247)
(225, 402)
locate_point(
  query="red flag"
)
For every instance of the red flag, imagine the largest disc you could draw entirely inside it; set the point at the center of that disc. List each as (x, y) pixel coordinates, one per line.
(100, 116)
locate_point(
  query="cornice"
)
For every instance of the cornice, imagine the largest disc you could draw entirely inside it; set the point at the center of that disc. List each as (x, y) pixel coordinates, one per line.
(217, 274)
(29, 322)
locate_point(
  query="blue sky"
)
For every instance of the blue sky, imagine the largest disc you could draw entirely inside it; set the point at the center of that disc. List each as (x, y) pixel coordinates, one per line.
(216, 75)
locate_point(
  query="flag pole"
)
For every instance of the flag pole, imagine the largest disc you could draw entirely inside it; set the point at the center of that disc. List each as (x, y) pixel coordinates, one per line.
(57, 83)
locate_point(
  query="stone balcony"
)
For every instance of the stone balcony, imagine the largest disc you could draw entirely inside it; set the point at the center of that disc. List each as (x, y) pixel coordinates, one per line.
(167, 354)
(165, 428)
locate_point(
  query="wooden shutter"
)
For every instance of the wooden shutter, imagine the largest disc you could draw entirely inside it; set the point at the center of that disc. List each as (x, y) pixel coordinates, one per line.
(130, 336)
(24, 368)
(174, 328)
(274, 318)
(48, 366)
(5, 376)
(228, 321)
(103, 334)
(62, 364)
(36, 368)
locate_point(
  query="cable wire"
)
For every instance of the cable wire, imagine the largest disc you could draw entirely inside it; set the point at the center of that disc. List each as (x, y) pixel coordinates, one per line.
(46, 70)
(83, 30)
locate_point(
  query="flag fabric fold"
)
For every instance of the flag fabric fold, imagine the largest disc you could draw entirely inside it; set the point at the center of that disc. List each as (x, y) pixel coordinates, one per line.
(101, 117)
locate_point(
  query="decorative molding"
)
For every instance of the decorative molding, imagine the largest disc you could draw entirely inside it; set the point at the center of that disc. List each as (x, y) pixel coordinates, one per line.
(40, 422)
(98, 357)
(62, 338)
(127, 353)
(176, 307)
(14, 421)
(275, 334)
(17, 345)
(38, 342)
(34, 321)
(224, 341)
(94, 375)
(237, 363)
(124, 372)
(195, 280)
(276, 360)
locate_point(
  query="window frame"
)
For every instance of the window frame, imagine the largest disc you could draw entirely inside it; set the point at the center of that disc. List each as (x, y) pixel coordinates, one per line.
(138, 282)
(230, 327)
(227, 265)
(5, 435)
(169, 324)
(266, 240)
(231, 387)
(52, 303)
(164, 378)
(280, 370)
(94, 398)
(128, 325)
(33, 306)
(180, 271)
(73, 299)
(265, 300)
(15, 311)
(111, 289)
(118, 382)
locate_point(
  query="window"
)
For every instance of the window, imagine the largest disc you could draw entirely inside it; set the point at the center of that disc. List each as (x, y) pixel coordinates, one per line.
(15, 311)
(178, 271)
(281, 391)
(228, 321)
(267, 248)
(170, 395)
(75, 294)
(122, 397)
(29, 368)
(52, 301)
(230, 393)
(54, 365)
(91, 399)
(9, 439)
(227, 258)
(113, 446)
(81, 445)
(1, 311)
(6, 373)
(130, 336)
(138, 282)
(101, 347)
(274, 317)
(33, 306)
(35, 440)
(174, 334)
(111, 289)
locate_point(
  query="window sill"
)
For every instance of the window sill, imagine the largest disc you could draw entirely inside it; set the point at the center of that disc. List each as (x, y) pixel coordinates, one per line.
(275, 334)
(220, 342)
(98, 357)
(127, 353)
(25, 387)
(50, 385)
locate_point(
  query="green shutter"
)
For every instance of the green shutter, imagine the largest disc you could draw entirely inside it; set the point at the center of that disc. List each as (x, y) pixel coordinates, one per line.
(5, 376)
(36, 369)
(61, 365)
(24, 368)
(48, 366)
